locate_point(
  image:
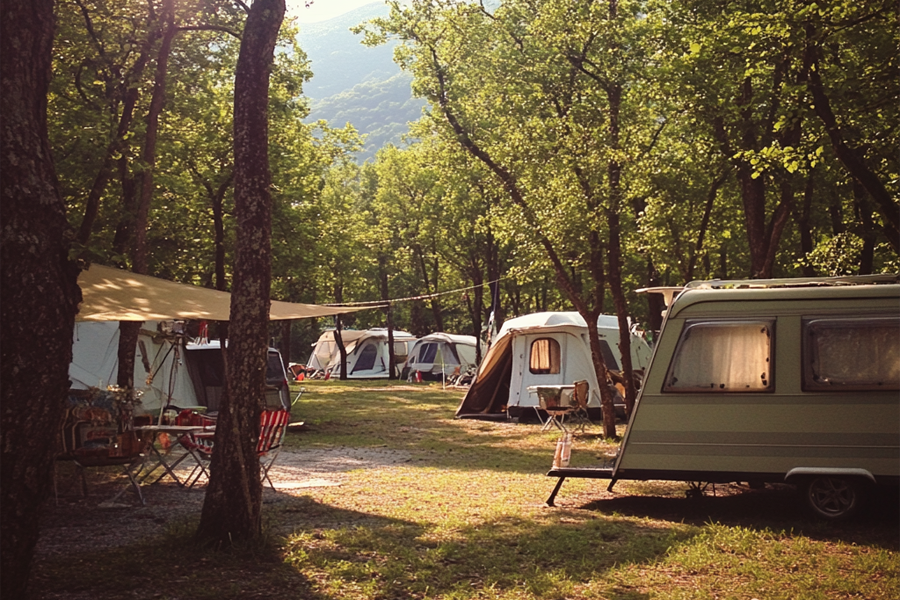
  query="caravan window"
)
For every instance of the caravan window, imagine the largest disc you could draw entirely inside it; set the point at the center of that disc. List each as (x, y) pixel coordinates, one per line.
(544, 356)
(851, 354)
(722, 356)
(401, 350)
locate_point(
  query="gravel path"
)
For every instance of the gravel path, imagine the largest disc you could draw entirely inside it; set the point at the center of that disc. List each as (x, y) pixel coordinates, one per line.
(76, 523)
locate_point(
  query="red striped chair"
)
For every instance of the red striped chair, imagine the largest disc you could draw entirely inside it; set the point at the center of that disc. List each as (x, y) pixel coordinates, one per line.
(272, 427)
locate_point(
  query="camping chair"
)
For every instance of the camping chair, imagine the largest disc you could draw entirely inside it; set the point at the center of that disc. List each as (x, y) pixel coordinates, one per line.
(97, 432)
(557, 402)
(581, 395)
(200, 445)
(272, 427)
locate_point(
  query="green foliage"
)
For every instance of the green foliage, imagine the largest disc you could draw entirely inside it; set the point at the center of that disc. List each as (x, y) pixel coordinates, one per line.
(711, 101)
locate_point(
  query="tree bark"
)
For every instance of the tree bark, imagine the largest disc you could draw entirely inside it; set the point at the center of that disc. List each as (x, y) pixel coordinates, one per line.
(40, 289)
(388, 314)
(130, 331)
(232, 507)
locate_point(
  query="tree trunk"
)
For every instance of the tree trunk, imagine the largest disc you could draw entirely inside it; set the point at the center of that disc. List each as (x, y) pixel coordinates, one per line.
(846, 154)
(388, 314)
(802, 219)
(338, 326)
(40, 289)
(130, 98)
(130, 331)
(232, 507)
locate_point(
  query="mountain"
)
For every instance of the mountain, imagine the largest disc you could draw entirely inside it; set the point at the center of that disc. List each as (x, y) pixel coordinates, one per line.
(356, 84)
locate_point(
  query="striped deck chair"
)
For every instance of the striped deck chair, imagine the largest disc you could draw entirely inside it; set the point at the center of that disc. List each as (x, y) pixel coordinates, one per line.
(272, 427)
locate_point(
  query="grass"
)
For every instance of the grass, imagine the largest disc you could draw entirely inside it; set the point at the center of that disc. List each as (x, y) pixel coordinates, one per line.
(463, 517)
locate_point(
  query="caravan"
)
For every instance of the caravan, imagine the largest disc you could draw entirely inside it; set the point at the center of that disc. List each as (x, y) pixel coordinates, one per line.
(548, 348)
(793, 381)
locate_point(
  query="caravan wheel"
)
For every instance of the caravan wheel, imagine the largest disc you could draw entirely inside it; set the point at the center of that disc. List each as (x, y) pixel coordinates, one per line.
(834, 498)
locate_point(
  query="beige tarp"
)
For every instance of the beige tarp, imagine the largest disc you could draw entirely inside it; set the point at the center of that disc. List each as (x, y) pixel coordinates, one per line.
(115, 295)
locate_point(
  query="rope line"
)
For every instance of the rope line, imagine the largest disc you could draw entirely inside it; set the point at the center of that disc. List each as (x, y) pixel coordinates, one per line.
(385, 303)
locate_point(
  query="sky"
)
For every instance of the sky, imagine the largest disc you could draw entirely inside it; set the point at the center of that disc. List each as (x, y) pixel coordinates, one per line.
(322, 10)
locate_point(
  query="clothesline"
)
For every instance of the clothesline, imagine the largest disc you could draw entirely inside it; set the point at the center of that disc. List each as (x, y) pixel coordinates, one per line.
(385, 303)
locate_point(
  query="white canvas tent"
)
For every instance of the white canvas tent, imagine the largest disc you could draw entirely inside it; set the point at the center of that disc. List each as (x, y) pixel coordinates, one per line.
(160, 373)
(438, 355)
(111, 295)
(368, 356)
(548, 348)
(325, 348)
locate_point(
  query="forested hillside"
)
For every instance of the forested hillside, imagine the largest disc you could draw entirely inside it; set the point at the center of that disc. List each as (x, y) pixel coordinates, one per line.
(355, 84)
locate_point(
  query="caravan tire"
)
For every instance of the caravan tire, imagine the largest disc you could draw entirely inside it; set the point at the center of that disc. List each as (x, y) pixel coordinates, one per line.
(834, 498)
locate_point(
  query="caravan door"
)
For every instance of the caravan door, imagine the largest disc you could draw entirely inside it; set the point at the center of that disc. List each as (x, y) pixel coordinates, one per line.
(539, 359)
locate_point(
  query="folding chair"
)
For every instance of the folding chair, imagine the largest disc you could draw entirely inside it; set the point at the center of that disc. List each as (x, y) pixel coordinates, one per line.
(580, 398)
(272, 427)
(200, 445)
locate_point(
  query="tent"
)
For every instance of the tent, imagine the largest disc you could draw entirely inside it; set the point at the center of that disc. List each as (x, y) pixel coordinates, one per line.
(438, 355)
(325, 348)
(548, 348)
(111, 295)
(159, 368)
(368, 355)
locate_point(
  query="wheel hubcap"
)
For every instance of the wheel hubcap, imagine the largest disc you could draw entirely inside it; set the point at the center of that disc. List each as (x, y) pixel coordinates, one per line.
(832, 497)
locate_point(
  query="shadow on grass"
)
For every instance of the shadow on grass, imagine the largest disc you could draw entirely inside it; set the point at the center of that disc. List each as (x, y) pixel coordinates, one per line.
(171, 565)
(775, 508)
(541, 558)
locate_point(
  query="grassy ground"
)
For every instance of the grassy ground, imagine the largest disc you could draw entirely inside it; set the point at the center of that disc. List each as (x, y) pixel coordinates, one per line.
(464, 517)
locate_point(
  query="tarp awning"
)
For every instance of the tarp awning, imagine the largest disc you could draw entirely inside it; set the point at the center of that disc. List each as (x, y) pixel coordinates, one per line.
(111, 294)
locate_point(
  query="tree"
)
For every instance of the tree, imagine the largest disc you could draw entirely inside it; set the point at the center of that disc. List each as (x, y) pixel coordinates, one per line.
(232, 506)
(533, 92)
(40, 288)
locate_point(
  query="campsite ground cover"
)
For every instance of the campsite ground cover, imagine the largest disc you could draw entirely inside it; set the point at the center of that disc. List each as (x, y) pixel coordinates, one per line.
(400, 500)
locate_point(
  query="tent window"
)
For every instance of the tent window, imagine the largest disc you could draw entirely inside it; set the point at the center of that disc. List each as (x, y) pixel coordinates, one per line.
(427, 353)
(851, 354)
(366, 360)
(544, 356)
(723, 356)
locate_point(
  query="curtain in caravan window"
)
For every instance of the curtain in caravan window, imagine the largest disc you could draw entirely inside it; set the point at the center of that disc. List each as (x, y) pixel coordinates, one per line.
(722, 357)
(544, 358)
(852, 353)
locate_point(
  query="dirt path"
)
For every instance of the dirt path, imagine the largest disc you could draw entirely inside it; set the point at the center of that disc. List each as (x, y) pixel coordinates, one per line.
(77, 523)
